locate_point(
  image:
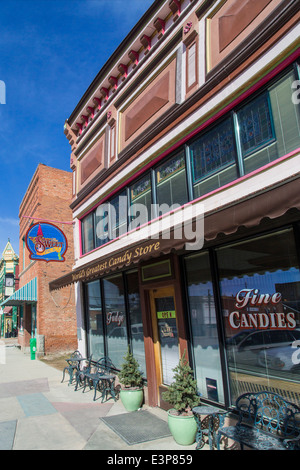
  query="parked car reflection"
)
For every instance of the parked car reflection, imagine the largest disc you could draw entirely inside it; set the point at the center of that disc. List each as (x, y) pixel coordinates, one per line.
(260, 348)
(281, 359)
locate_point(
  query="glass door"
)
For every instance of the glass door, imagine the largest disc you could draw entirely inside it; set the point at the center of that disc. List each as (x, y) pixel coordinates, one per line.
(165, 331)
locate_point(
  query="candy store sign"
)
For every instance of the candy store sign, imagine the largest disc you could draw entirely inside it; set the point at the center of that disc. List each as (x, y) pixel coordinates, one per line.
(247, 299)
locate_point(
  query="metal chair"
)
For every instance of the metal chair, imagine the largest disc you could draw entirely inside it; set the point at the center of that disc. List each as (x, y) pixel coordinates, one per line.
(99, 376)
(73, 365)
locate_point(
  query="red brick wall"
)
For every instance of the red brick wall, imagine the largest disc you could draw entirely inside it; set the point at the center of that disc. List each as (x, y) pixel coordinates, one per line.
(48, 197)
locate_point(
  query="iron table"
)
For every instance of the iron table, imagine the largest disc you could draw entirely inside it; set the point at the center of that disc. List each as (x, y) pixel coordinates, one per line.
(215, 418)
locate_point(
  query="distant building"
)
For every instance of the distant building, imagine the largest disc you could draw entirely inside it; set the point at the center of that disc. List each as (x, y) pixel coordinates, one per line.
(47, 316)
(9, 269)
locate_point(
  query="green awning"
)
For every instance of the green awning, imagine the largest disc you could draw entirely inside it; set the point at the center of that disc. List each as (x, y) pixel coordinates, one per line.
(26, 294)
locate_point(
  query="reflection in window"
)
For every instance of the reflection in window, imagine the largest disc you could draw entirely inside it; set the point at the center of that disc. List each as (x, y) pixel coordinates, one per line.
(204, 327)
(88, 233)
(213, 158)
(136, 324)
(171, 183)
(140, 194)
(118, 215)
(260, 289)
(269, 125)
(116, 326)
(94, 320)
(102, 224)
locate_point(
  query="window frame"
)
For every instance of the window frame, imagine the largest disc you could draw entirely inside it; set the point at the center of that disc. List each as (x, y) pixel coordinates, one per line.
(265, 143)
(206, 131)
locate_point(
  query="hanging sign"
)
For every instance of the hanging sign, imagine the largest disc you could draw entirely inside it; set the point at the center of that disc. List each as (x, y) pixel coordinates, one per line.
(166, 314)
(46, 242)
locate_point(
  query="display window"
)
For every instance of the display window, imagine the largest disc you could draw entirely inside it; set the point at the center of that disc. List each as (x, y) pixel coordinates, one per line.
(116, 325)
(95, 319)
(203, 327)
(260, 294)
(114, 318)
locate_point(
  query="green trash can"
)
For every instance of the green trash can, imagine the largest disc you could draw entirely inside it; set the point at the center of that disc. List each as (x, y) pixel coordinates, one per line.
(32, 348)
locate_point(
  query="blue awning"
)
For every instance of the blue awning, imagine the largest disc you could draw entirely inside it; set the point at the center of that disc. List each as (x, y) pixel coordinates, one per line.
(26, 294)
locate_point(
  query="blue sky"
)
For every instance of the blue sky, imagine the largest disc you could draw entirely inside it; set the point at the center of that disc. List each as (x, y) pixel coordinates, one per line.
(50, 51)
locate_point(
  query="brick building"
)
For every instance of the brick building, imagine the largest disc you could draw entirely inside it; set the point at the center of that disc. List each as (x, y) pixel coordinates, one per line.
(195, 117)
(9, 282)
(48, 316)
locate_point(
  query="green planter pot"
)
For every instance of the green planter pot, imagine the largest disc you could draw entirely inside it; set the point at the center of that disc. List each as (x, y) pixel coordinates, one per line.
(183, 428)
(132, 399)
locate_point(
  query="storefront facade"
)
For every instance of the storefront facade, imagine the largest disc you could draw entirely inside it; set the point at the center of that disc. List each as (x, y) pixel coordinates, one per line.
(187, 219)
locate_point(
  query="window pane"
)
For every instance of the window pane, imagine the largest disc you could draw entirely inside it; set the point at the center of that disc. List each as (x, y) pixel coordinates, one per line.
(94, 320)
(140, 194)
(88, 233)
(136, 323)
(171, 185)
(255, 124)
(116, 329)
(213, 158)
(275, 125)
(260, 289)
(101, 224)
(204, 327)
(285, 114)
(118, 215)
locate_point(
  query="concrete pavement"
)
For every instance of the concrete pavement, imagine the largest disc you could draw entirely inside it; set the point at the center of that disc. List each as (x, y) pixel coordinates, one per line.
(38, 412)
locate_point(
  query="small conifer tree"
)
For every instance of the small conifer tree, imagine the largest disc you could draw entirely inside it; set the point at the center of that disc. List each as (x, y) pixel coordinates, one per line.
(130, 375)
(182, 393)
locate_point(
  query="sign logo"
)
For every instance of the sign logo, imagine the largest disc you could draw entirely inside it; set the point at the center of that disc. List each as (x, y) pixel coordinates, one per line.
(256, 314)
(46, 242)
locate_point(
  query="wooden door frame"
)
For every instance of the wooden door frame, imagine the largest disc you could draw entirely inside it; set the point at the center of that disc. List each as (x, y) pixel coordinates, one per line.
(159, 292)
(153, 389)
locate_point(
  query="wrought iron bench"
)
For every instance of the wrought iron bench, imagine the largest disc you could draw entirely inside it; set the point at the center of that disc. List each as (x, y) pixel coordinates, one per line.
(73, 365)
(266, 422)
(99, 375)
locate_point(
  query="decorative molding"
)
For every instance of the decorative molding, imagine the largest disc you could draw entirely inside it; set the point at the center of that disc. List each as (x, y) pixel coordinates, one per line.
(105, 92)
(114, 83)
(160, 26)
(175, 7)
(92, 111)
(134, 57)
(123, 69)
(98, 101)
(146, 42)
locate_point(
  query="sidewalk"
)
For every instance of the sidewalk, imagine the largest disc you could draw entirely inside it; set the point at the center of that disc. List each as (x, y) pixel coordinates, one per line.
(38, 412)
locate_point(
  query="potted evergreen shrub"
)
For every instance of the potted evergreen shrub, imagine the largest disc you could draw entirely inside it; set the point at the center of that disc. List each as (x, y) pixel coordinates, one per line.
(131, 379)
(182, 395)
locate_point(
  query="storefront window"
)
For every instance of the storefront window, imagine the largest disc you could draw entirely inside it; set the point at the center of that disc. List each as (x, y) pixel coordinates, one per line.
(136, 323)
(260, 291)
(94, 320)
(116, 325)
(203, 324)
